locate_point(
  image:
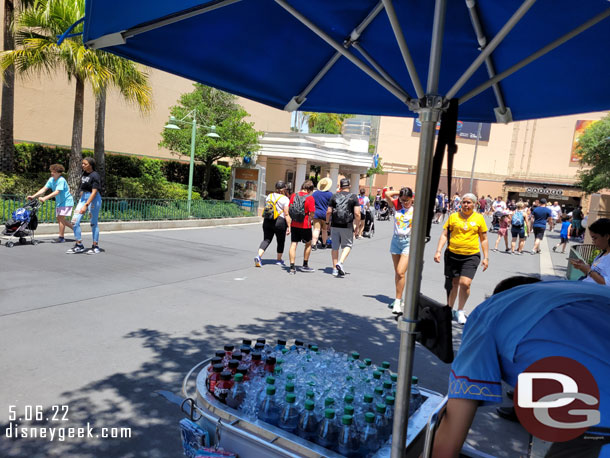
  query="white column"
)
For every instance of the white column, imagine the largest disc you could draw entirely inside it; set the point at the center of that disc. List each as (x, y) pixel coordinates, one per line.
(300, 174)
(334, 175)
(355, 182)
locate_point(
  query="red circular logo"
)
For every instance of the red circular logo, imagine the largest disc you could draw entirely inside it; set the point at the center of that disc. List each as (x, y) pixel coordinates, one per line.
(557, 399)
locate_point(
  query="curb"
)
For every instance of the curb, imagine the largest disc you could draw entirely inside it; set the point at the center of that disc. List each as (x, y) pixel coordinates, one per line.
(52, 228)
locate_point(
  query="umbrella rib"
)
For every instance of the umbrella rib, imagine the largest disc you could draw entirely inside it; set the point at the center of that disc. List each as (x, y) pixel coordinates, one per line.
(493, 44)
(295, 102)
(402, 96)
(404, 49)
(114, 39)
(541, 52)
(482, 39)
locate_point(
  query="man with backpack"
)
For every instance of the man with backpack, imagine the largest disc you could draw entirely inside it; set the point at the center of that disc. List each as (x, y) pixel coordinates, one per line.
(343, 211)
(301, 209)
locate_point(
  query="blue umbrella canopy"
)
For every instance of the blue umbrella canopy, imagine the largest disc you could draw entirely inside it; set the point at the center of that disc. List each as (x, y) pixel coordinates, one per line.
(273, 51)
(500, 60)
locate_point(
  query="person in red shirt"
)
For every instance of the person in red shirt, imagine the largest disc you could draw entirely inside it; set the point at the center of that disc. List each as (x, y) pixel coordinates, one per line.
(301, 211)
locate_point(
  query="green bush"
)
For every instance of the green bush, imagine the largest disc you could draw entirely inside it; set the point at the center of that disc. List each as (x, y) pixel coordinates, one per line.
(22, 184)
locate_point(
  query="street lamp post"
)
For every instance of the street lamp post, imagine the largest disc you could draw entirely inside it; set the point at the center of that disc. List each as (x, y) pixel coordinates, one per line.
(172, 125)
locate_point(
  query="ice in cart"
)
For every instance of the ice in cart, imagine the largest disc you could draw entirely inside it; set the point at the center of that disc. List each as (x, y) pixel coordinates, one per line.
(22, 225)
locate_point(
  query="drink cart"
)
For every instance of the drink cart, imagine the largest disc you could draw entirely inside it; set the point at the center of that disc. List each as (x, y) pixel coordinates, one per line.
(230, 429)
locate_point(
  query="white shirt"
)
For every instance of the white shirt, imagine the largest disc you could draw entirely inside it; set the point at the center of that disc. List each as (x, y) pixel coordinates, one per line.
(403, 220)
(280, 203)
(498, 206)
(555, 211)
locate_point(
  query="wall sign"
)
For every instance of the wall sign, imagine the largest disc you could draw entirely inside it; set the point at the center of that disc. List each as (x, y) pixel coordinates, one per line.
(464, 129)
(549, 191)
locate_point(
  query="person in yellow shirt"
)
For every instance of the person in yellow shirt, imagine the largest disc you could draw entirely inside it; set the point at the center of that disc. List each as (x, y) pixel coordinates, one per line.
(465, 230)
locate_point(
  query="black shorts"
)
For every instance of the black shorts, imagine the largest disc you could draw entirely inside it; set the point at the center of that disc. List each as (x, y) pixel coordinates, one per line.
(461, 265)
(517, 231)
(298, 234)
(539, 232)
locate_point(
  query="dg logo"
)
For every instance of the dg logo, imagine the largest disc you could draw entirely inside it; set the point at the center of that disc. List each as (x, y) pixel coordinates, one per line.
(557, 399)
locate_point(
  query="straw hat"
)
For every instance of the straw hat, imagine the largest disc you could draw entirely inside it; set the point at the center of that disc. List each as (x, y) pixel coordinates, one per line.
(325, 184)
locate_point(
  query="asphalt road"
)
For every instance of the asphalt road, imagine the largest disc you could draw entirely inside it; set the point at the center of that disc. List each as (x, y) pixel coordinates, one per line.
(97, 335)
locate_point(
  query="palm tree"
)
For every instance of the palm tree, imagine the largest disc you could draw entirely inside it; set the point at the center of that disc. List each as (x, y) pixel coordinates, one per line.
(7, 148)
(37, 28)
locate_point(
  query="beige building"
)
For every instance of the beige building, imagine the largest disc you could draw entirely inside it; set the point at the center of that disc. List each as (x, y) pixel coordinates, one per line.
(528, 159)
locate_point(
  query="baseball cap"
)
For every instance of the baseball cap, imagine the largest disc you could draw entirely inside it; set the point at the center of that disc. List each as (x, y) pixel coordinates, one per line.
(344, 183)
(543, 201)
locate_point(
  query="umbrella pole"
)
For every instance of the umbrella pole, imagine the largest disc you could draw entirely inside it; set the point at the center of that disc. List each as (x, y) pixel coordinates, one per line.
(428, 117)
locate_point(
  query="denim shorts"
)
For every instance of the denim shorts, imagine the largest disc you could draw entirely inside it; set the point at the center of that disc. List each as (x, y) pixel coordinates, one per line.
(400, 245)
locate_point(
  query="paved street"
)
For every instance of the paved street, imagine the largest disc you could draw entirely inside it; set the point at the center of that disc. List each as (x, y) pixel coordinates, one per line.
(100, 333)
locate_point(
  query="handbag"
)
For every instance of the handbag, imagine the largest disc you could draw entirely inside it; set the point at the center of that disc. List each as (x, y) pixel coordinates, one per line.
(433, 328)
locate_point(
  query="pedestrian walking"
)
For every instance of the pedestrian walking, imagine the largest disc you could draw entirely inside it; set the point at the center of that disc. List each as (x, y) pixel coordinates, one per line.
(301, 209)
(342, 214)
(488, 202)
(482, 205)
(463, 232)
(90, 201)
(564, 234)
(276, 222)
(503, 232)
(321, 198)
(577, 217)
(517, 228)
(438, 207)
(498, 205)
(64, 202)
(555, 215)
(541, 216)
(365, 204)
(402, 201)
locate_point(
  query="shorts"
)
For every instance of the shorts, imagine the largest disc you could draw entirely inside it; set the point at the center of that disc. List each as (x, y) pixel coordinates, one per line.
(298, 234)
(502, 231)
(342, 237)
(563, 240)
(517, 232)
(461, 265)
(400, 245)
(539, 232)
(63, 211)
(319, 224)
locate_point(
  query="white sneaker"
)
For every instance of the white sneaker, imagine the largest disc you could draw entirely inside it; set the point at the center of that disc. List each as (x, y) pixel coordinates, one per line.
(461, 317)
(397, 307)
(335, 272)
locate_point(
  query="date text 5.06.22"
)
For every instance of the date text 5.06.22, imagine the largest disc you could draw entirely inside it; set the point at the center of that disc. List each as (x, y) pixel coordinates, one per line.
(38, 413)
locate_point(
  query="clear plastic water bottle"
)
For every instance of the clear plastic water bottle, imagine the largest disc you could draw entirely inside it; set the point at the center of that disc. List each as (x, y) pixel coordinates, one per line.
(369, 437)
(389, 412)
(308, 422)
(387, 388)
(378, 394)
(377, 378)
(368, 362)
(381, 422)
(238, 393)
(348, 442)
(289, 419)
(268, 410)
(416, 397)
(394, 379)
(327, 431)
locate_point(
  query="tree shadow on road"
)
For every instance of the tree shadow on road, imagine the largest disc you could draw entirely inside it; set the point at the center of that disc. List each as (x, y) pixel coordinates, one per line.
(127, 400)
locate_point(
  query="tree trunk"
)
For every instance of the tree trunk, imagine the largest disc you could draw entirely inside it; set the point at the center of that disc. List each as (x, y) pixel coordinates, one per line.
(206, 179)
(100, 126)
(76, 148)
(7, 145)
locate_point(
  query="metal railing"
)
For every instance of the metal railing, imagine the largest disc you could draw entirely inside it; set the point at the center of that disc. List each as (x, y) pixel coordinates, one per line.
(120, 209)
(584, 252)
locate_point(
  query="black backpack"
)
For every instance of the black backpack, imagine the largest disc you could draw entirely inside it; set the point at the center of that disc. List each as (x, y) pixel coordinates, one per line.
(342, 213)
(297, 208)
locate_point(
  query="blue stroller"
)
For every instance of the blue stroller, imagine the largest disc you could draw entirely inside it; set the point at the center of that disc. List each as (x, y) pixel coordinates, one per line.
(22, 224)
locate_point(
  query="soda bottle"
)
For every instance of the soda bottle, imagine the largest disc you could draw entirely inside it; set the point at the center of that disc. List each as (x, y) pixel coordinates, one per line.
(369, 438)
(233, 365)
(298, 346)
(223, 386)
(245, 351)
(270, 364)
(220, 354)
(348, 442)
(389, 412)
(246, 343)
(238, 393)
(289, 419)
(215, 360)
(327, 431)
(281, 343)
(381, 422)
(238, 355)
(268, 410)
(228, 353)
(260, 347)
(266, 348)
(308, 423)
(256, 365)
(214, 377)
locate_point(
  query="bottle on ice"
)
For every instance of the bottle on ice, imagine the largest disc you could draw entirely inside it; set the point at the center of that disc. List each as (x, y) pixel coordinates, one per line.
(327, 431)
(348, 442)
(308, 423)
(268, 410)
(238, 393)
(289, 419)
(381, 422)
(214, 377)
(369, 438)
(223, 386)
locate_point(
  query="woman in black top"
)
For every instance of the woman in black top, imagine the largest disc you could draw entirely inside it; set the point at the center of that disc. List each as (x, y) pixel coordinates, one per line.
(90, 200)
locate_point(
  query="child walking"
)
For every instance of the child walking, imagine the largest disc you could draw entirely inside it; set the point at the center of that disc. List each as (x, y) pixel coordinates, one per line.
(564, 234)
